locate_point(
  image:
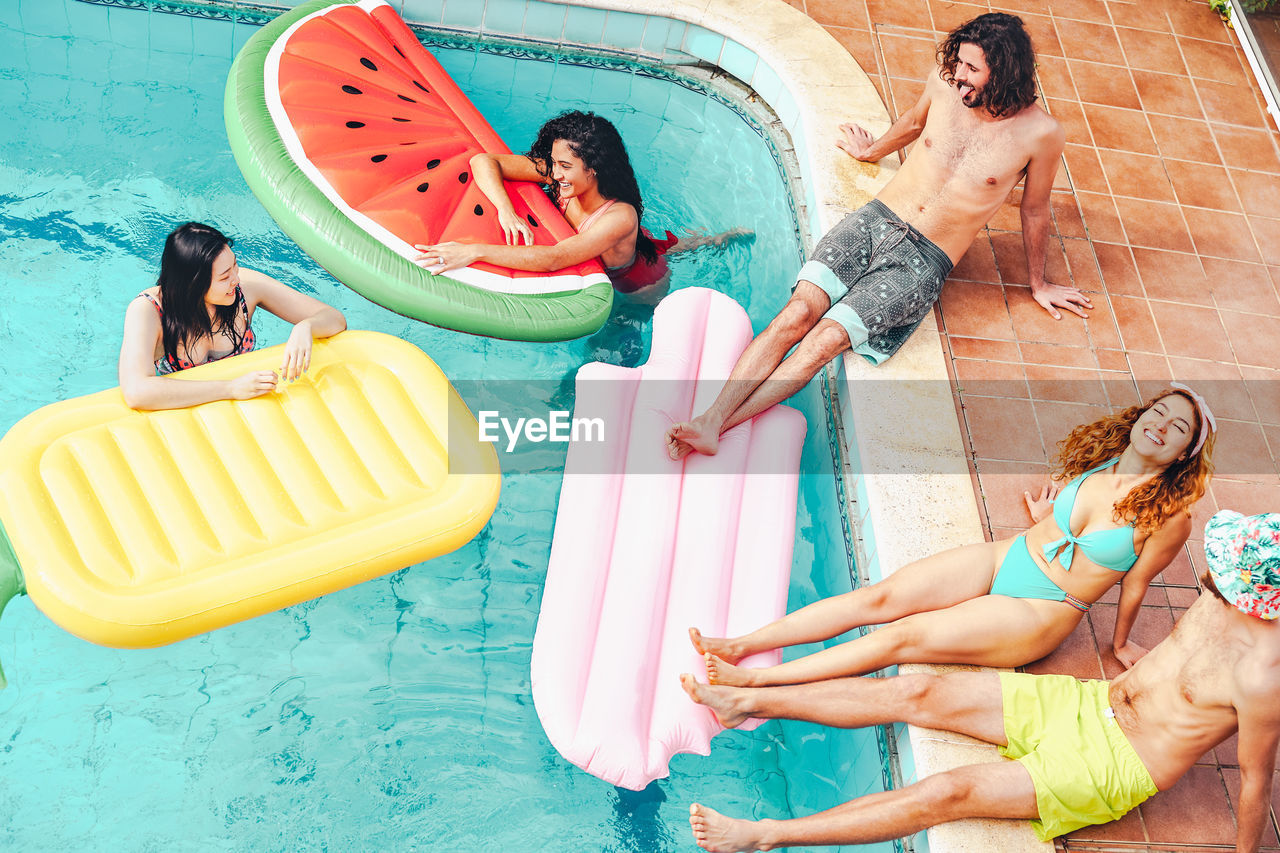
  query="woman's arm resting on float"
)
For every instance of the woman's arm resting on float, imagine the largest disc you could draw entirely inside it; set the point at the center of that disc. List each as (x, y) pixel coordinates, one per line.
(490, 170)
(141, 387)
(1160, 549)
(311, 318)
(617, 224)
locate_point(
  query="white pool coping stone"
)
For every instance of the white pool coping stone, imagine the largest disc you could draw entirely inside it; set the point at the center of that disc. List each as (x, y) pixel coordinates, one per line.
(913, 430)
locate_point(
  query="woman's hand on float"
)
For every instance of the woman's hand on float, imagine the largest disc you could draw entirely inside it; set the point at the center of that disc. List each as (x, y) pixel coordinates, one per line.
(443, 257)
(252, 385)
(1129, 654)
(516, 230)
(297, 352)
(1041, 507)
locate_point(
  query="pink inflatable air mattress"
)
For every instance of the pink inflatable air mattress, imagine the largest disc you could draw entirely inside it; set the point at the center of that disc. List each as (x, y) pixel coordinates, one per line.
(645, 547)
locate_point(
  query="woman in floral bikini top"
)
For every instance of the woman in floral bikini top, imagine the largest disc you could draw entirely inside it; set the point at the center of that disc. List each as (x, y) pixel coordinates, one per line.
(200, 311)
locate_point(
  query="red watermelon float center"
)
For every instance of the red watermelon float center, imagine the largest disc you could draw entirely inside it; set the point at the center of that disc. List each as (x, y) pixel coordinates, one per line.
(388, 139)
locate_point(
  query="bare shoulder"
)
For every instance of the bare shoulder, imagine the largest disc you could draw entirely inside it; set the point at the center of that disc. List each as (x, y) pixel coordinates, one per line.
(257, 285)
(145, 303)
(1176, 528)
(1256, 671)
(1040, 127)
(621, 213)
(1257, 675)
(935, 83)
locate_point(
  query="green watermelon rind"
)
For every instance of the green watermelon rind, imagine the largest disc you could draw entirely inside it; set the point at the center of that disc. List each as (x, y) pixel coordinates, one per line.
(355, 257)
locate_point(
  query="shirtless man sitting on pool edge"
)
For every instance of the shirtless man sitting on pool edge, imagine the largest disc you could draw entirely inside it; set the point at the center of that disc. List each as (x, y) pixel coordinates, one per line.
(876, 275)
(1086, 752)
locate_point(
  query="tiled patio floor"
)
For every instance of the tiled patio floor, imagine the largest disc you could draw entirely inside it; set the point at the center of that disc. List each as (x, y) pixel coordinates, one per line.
(1167, 211)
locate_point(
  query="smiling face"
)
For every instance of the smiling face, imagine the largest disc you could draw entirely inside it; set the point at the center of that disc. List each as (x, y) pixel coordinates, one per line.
(1164, 432)
(971, 75)
(224, 276)
(569, 172)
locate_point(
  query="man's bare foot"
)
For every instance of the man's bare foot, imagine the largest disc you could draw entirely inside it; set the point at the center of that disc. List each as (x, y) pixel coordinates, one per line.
(726, 674)
(726, 650)
(721, 700)
(697, 436)
(719, 834)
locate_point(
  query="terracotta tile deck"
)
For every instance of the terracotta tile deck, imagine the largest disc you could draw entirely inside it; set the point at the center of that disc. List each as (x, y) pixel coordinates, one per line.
(1167, 211)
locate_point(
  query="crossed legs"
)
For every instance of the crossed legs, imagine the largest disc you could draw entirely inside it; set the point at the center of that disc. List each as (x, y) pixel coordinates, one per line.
(762, 375)
(965, 702)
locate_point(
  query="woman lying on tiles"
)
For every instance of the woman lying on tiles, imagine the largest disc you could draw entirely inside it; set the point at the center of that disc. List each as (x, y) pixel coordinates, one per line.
(1123, 517)
(200, 311)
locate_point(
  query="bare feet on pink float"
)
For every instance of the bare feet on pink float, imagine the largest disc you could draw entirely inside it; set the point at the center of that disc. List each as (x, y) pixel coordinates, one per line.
(722, 701)
(726, 650)
(719, 834)
(720, 671)
(697, 436)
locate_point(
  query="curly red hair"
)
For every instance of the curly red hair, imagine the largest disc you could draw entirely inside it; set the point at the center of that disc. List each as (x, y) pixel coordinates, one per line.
(1154, 502)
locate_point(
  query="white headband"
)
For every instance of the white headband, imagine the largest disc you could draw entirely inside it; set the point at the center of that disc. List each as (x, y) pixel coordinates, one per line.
(1208, 423)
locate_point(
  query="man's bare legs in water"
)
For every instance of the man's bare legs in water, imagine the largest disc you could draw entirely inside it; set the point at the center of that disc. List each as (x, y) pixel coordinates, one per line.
(969, 703)
(799, 322)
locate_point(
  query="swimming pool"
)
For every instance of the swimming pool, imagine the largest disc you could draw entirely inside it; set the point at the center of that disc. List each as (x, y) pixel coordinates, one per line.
(396, 713)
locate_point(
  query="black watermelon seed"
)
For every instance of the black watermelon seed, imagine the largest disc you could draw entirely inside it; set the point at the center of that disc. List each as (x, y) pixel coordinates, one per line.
(354, 124)
(433, 164)
(532, 221)
(397, 118)
(422, 87)
(462, 179)
(479, 210)
(406, 98)
(422, 187)
(367, 63)
(352, 90)
(378, 158)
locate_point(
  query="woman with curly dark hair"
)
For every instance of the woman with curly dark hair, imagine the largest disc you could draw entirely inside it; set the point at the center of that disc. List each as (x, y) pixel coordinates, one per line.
(1122, 517)
(581, 160)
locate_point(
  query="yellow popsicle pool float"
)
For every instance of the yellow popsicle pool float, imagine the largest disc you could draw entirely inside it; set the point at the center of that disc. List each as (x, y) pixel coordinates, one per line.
(136, 529)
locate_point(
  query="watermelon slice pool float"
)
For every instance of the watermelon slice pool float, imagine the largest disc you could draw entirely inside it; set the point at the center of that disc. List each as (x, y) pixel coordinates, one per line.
(359, 144)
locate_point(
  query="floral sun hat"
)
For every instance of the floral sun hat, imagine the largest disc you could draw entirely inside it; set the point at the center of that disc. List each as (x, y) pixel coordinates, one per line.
(1244, 558)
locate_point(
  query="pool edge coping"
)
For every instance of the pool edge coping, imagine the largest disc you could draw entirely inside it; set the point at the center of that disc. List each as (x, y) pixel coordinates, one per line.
(829, 87)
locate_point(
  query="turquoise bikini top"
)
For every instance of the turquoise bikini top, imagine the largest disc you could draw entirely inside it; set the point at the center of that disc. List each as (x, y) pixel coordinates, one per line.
(1112, 549)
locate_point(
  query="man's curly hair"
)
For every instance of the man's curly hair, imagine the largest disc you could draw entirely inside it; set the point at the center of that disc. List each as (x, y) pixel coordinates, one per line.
(1007, 48)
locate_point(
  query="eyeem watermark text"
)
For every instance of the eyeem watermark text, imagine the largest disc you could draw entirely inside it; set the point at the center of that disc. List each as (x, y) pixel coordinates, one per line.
(557, 427)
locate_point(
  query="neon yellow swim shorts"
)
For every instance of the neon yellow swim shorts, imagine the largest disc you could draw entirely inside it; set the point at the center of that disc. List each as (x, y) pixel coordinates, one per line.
(1084, 769)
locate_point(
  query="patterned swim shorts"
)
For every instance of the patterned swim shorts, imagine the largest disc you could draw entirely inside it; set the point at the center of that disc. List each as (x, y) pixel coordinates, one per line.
(882, 276)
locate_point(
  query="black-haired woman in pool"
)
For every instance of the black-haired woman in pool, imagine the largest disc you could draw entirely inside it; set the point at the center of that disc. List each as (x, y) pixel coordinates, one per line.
(581, 159)
(200, 311)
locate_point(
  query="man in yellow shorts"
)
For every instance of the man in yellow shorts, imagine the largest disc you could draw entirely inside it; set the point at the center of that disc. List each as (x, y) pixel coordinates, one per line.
(1086, 751)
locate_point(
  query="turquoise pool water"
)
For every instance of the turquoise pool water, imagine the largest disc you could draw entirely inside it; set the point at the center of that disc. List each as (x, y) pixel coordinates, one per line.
(396, 714)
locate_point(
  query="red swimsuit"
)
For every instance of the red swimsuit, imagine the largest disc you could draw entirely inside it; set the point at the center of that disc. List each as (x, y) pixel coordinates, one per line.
(637, 273)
